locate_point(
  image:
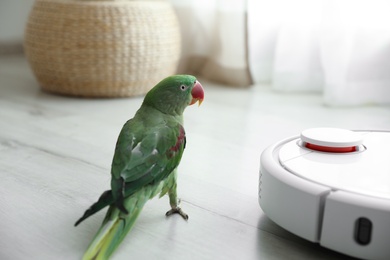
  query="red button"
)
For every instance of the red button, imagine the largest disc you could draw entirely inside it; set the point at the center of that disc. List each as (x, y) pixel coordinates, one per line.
(328, 149)
(331, 140)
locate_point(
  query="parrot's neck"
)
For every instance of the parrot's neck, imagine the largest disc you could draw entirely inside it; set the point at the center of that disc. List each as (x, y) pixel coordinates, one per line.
(168, 105)
(150, 111)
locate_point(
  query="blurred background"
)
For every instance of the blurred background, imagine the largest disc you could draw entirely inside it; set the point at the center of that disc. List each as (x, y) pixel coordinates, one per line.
(270, 69)
(338, 48)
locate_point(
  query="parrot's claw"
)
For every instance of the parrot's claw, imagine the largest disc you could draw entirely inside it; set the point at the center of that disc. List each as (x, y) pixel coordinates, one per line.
(177, 210)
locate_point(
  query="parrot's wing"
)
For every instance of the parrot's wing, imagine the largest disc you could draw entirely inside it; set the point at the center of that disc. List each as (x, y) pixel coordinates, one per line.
(145, 156)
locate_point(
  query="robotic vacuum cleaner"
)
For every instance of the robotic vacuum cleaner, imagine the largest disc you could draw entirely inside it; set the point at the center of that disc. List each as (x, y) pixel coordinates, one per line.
(331, 186)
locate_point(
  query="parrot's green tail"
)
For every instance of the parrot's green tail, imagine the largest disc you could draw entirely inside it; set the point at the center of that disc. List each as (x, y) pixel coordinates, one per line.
(113, 230)
(105, 199)
(117, 224)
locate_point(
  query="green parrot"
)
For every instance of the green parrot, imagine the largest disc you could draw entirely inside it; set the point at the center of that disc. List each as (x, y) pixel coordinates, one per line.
(148, 151)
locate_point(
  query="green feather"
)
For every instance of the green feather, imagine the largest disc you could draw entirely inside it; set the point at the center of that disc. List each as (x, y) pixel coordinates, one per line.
(148, 150)
(117, 224)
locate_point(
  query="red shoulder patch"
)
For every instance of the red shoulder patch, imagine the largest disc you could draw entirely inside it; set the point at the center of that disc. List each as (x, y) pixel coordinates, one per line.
(179, 142)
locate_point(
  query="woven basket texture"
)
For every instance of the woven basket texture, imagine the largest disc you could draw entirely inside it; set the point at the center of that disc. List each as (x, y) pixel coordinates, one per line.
(102, 48)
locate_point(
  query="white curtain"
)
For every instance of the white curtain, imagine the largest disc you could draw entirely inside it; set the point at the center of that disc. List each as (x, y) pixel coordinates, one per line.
(338, 48)
(214, 39)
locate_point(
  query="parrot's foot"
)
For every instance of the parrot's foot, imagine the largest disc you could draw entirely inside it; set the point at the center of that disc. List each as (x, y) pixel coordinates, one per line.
(177, 210)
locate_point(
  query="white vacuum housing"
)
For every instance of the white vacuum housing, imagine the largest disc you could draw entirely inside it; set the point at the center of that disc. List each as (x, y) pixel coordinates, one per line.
(331, 186)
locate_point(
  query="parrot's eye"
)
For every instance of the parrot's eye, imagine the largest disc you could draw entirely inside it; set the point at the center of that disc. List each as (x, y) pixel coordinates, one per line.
(183, 87)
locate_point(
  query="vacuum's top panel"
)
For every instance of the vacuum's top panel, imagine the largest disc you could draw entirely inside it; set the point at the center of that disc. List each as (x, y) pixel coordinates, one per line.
(365, 169)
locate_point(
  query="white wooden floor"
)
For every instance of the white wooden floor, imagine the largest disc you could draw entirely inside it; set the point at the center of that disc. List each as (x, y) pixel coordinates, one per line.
(55, 155)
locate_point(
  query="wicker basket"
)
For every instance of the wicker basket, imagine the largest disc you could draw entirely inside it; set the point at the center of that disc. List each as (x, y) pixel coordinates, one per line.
(102, 48)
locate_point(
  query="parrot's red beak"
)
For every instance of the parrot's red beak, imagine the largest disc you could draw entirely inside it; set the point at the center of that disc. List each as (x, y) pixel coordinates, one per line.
(197, 93)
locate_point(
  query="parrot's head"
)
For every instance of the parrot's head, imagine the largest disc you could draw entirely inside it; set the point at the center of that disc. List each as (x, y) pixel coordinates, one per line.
(173, 94)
